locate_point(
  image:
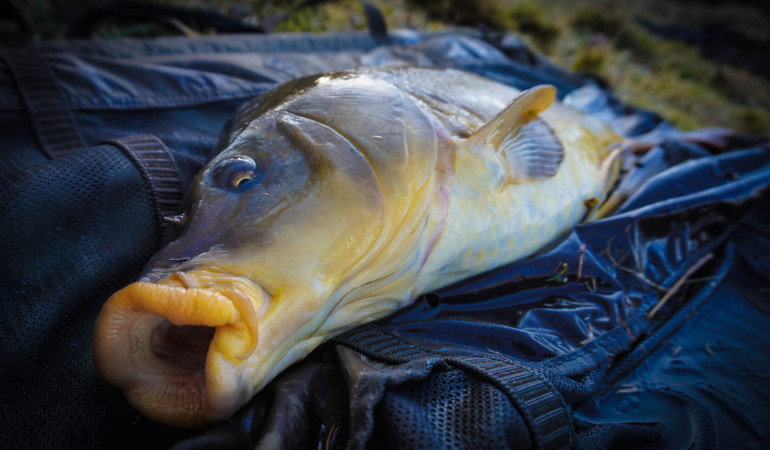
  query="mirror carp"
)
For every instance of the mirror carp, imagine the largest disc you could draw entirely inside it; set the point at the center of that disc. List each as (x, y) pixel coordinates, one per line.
(334, 200)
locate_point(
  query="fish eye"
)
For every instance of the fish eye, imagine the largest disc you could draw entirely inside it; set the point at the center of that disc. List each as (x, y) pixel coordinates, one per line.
(234, 173)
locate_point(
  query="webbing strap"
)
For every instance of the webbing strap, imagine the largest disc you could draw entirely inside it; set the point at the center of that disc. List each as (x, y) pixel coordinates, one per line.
(55, 128)
(541, 407)
(378, 28)
(158, 169)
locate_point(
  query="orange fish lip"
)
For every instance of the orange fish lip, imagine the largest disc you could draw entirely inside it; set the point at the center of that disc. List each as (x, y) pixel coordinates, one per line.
(156, 340)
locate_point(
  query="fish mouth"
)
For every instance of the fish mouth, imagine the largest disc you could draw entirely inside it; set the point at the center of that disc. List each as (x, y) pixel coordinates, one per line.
(177, 346)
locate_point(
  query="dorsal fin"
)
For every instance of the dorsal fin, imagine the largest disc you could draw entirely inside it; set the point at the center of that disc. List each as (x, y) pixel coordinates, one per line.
(528, 147)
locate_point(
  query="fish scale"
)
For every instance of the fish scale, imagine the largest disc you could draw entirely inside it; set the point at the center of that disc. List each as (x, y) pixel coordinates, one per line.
(508, 225)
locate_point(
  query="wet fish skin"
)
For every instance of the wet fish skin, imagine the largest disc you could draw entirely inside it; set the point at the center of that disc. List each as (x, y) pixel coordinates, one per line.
(334, 200)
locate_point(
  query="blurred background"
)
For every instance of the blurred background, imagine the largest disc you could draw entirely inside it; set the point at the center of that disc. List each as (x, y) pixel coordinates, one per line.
(697, 63)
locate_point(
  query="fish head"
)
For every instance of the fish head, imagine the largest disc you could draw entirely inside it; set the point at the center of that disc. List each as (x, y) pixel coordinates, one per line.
(288, 199)
(310, 219)
(274, 225)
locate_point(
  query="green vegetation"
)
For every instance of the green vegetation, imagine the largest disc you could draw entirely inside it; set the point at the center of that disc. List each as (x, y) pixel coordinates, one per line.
(531, 19)
(667, 77)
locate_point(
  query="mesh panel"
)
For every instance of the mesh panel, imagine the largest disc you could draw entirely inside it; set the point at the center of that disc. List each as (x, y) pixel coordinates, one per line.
(447, 410)
(73, 232)
(18, 139)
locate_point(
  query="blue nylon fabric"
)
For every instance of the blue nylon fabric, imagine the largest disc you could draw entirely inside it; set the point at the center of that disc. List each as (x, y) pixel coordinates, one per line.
(183, 91)
(592, 346)
(628, 380)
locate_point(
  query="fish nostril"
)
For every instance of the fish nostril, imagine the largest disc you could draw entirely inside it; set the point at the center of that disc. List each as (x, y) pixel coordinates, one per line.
(182, 278)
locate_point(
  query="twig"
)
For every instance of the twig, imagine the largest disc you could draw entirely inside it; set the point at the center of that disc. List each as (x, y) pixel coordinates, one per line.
(678, 284)
(755, 301)
(644, 279)
(699, 280)
(636, 273)
(590, 334)
(630, 390)
(580, 262)
(634, 246)
(612, 259)
(625, 325)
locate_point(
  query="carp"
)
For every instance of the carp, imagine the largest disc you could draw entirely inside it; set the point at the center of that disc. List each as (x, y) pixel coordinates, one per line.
(334, 200)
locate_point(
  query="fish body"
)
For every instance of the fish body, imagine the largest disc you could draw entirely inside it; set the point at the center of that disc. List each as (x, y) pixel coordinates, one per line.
(334, 200)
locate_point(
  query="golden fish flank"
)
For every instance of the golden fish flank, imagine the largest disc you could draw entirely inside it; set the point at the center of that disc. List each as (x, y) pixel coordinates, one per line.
(334, 200)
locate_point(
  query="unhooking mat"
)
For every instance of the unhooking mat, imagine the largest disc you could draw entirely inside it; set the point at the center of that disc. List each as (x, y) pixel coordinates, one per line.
(648, 328)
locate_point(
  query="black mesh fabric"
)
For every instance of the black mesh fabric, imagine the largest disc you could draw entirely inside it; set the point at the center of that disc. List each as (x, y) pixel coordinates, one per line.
(71, 235)
(453, 410)
(18, 139)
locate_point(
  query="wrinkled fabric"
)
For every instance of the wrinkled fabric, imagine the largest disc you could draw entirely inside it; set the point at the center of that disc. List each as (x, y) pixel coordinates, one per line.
(694, 373)
(591, 337)
(183, 90)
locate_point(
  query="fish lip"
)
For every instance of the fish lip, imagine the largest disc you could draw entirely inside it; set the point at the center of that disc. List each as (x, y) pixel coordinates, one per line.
(126, 350)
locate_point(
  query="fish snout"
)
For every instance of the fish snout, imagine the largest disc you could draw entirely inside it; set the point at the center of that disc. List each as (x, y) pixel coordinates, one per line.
(173, 344)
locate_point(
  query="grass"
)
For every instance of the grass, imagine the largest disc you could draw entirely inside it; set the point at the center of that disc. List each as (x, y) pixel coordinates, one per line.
(667, 77)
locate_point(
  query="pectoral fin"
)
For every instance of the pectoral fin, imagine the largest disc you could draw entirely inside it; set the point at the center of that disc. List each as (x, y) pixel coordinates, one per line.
(526, 143)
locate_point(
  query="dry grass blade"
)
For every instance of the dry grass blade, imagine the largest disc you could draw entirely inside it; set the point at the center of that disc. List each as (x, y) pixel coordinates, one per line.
(637, 273)
(755, 301)
(678, 284)
(580, 262)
